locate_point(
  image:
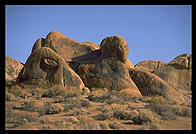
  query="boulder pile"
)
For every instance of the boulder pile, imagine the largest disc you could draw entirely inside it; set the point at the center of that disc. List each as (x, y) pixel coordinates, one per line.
(59, 60)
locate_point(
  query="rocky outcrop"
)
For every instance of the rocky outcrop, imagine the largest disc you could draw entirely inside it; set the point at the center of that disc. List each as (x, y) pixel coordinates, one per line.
(178, 72)
(110, 69)
(59, 60)
(12, 68)
(151, 84)
(45, 68)
(150, 65)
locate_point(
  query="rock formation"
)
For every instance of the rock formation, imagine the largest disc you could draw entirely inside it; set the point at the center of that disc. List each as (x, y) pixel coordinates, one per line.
(12, 68)
(52, 60)
(46, 68)
(178, 72)
(151, 84)
(150, 65)
(109, 70)
(59, 60)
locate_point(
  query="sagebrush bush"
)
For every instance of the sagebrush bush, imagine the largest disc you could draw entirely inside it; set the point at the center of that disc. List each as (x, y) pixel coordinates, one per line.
(158, 100)
(21, 121)
(103, 116)
(54, 109)
(103, 126)
(141, 119)
(165, 111)
(29, 106)
(9, 97)
(114, 125)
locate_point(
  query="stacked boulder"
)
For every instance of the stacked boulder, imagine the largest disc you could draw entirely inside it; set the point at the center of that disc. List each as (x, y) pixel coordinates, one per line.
(59, 60)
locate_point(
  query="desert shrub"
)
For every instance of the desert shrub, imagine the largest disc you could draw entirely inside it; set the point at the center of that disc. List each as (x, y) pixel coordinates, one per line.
(103, 116)
(122, 112)
(86, 123)
(141, 119)
(17, 92)
(72, 103)
(115, 111)
(42, 110)
(20, 121)
(85, 103)
(29, 106)
(165, 111)
(103, 126)
(44, 121)
(182, 111)
(54, 109)
(10, 115)
(58, 99)
(8, 86)
(31, 117)
(9, 97)
(186, 112)
(114, 125)
(110, 97)
(158, 100)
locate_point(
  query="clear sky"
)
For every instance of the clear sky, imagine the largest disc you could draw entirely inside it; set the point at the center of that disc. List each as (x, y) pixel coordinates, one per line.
(158, 32)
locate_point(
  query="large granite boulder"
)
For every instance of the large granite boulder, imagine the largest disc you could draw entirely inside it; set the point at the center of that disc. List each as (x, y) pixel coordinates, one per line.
(110, 69)
(150, 65)
(45, 68)
(12, 68)
(178, 72)
(150, 84)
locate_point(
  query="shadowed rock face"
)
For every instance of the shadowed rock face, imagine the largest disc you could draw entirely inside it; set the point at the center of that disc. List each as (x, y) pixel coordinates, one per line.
(151, 84)
(12, 68)
(178, 72)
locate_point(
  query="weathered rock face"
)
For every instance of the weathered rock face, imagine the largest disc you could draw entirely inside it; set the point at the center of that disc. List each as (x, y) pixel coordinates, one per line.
(68, 48)
(151, 84)
(110, 69)
(108, 73)
(116, 47)
(150, 65)
(12, 68)
(178, 72)
(45, 68)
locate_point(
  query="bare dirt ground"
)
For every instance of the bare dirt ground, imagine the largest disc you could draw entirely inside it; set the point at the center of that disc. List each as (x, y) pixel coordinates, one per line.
(60, 110)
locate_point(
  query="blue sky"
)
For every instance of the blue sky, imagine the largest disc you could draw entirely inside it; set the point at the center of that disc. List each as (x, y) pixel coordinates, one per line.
(158, 32)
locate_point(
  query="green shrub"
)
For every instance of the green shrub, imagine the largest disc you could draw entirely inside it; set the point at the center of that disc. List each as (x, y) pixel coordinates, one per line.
(17, 92)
